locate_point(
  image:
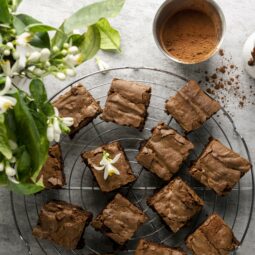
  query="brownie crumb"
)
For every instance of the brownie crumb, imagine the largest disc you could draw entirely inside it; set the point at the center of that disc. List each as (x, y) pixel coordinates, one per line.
(251, 61)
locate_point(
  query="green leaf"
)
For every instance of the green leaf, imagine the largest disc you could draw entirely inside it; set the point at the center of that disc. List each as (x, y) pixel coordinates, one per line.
(59, 38)
(34, 28)
(31, 134)
(3, 179)
(15, 4)
(110, 37)
(91, 43)
(23, 163)
(22, 21)
(39, 95)
(90, 14)
(4, 141)
(26, 188)
(38, 91)
(5, 16)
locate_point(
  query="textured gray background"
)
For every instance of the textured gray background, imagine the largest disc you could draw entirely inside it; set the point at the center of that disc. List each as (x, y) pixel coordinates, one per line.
(138, 49)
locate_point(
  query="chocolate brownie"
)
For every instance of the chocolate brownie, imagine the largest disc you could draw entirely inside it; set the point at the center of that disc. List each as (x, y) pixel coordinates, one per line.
(176, 203)
(213, 237)
(119, 220)
(92, 159)
(127, 103)
(52, 172)
(79, 104)
(62, 223)
(164, 152)
(149, 248)
(191, 107)
(219, 168)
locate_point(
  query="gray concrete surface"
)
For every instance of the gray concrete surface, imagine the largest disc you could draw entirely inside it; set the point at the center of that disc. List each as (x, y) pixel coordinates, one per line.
(139, 49)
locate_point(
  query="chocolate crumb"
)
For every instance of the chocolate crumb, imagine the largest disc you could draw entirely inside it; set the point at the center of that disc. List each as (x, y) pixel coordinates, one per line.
(221, 52)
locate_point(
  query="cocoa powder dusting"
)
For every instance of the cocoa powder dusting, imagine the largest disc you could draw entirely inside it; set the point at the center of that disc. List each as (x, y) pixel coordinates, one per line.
(189, 35)
(224, 84)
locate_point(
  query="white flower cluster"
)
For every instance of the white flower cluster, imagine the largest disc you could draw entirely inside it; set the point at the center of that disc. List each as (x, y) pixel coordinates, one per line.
(8, 165)
(33, 62)
(58, 125)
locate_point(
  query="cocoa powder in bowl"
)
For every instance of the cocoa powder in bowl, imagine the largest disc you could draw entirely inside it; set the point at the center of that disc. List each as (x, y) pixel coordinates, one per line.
(190, 36)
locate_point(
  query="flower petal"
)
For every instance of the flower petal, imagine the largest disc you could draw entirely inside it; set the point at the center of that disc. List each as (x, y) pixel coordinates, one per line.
(114, 170)
(103, 162)
(8, 83)
(98, 168)
(50, 133)
(106, 172)
(13, 179)
(116, 158)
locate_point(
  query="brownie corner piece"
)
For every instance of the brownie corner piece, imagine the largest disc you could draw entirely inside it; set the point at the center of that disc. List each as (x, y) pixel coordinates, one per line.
(119, 220)
(176, 203)
(145, 247)
(79, 104)
(214, 236)
(219, 168)
(164, 152)
(127, 103)
(191, 106)
(62, 223)
(52, 172)
(92, 159)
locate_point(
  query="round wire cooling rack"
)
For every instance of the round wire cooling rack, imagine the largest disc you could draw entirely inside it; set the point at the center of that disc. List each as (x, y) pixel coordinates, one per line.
(81, 188)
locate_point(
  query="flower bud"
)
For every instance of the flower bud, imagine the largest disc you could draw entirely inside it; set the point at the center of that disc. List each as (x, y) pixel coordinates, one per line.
(50, 133)
(64, 52)
(10, 45)
(34, 57)
(70, 72)
(45, 54)
(47, 64)
(15, 55)
(66, 45)
(1, 166)
(73, 50)
(55, 49)
(10, 171)
(61, 76)
(38, 72)
(7, 52)
(68, 121)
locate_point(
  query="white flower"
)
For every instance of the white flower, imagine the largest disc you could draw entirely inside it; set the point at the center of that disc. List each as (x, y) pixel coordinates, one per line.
(55, 49)
(24, 38)
(73, 50)
(106, 164)
(38, 71)
(34, 57)
(60, 76)
(6, 102)
(57, 125)
(68, 121)
(45, 54)
(7, 52)
(1, 166)
(101, 64)
(10, 171)
(70, 72)
(10, 45)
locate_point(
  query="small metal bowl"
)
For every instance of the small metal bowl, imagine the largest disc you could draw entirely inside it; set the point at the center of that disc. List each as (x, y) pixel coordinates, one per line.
(171, 7)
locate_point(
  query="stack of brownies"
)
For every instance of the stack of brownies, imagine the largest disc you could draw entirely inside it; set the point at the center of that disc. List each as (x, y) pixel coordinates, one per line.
(218, 168)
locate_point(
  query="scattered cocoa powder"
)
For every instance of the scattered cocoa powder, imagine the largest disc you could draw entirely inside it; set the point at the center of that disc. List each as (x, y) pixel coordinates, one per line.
(190, 36)
(224, 84)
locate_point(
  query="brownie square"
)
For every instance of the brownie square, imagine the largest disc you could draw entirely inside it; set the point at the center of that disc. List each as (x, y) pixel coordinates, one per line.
(150, 248)
(213, 237)
(62, 223)
(219, 168)
(52, 172)
(191, 107)
(164, 152)
(176, 203)
(79, 104)
(119, 220)
(92, 159)
(127, 103)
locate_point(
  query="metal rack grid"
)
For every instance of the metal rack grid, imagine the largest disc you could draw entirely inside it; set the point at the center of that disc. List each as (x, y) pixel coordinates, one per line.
(81, 187)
